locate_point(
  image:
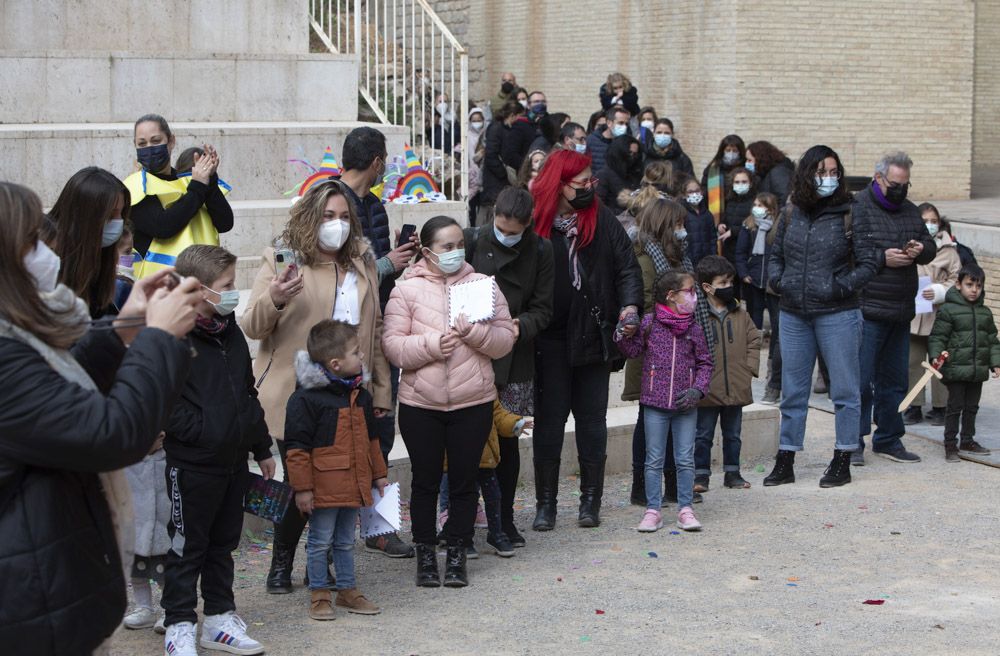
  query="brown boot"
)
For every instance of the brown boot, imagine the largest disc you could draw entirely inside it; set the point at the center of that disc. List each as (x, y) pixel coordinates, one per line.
(321, 608)
(355, 602)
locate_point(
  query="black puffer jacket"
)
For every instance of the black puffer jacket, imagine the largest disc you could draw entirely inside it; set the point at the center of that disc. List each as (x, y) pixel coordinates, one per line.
(890, 294)
(524, 275)
(375, 224)
(778, 180)
(674, 154)
(613, 280)
(811, 260)
(218, 418)
(736, 212)
(63, 591)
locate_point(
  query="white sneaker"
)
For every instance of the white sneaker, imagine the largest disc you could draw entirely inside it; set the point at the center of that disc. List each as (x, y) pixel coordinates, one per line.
(227, 632)
(140, 618)
(180, 640)
(158, 627)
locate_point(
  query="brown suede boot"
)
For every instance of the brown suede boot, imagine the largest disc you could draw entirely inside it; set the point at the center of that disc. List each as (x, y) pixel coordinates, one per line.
(355, 602)
(321, 608)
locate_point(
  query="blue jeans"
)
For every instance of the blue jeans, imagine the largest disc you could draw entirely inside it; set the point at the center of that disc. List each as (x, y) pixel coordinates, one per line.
(885, 362)
(331, 526)
(658, 424)
(837, 337)
(730, 418)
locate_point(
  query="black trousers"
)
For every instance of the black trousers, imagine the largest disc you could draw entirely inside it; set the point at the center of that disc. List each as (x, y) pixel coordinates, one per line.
(507, 472)
(963, 403)
(206, 520)
(560, 389)
(429, 435)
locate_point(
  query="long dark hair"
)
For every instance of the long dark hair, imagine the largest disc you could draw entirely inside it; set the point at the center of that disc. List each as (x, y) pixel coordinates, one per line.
(619, 159)
(766, 156)
(434, 225)
(551, 125)
(730, 140)
(804, 194)
(657, 221)
(732, 195)
(75, 229)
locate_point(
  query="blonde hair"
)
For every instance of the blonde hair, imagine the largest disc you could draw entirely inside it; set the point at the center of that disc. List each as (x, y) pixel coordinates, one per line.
(657, 222)
(302, 230)
(769, 201)
(657, 181)
(619, 78)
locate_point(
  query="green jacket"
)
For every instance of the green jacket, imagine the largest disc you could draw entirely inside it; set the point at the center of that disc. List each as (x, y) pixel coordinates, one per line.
(967, 331)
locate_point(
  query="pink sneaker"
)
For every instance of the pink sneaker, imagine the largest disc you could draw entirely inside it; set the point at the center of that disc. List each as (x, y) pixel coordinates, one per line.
(686, 521)
(651, 522)
(481, 517)
(442, 518)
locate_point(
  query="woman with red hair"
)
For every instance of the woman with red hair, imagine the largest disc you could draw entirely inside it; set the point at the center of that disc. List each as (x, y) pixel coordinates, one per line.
(598, 283)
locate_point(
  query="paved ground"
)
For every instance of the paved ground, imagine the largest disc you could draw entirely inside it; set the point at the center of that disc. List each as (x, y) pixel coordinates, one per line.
(776, 570)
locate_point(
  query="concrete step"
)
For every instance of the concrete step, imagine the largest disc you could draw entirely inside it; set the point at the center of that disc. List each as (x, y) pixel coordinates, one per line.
(63, 86)
(275, 26)
(254, 154)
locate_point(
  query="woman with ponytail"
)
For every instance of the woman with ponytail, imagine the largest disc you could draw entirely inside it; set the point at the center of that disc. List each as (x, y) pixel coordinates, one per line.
(598, 284)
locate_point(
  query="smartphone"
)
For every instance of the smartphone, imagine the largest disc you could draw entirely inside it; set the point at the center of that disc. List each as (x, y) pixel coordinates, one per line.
(405, 233)
(284, 258)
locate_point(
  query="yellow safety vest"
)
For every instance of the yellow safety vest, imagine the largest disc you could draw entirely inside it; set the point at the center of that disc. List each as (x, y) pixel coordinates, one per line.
(200, 230)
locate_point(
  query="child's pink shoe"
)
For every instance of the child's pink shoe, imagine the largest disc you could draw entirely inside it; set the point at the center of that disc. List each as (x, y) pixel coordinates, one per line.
(686, 521)
(651, 522)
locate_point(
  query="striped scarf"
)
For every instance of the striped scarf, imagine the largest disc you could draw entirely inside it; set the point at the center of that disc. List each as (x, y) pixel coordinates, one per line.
(567, 226)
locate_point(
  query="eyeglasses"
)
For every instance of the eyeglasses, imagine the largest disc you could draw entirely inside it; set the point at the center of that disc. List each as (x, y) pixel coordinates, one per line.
(586, 184)
(896, 185)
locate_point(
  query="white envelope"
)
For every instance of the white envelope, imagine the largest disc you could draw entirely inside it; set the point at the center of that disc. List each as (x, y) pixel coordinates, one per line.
(384, 515)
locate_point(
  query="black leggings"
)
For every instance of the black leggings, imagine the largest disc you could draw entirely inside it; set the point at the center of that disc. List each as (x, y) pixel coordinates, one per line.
(508, 471)
(429, 435)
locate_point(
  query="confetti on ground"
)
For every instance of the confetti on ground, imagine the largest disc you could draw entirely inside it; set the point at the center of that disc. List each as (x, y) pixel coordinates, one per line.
(760, 469)
(652, 554)
(894, 533)
(616, 548)
(792, 585)
(793, 578)
(559, 578)
(939, 626)
(599, 611)
(873, 602)
(596, 562)
(584, 638)
(754, 578)
(258, 624)
(518, 578)
(817, 623)
(574, 567)
(827, 525)
(675, 532)
(862, 507)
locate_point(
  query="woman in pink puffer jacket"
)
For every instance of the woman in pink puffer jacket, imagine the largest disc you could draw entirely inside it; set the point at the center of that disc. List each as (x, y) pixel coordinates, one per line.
(446, 391)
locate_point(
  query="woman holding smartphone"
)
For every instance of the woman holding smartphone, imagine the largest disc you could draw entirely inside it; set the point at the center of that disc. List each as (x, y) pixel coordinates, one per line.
(332, 275)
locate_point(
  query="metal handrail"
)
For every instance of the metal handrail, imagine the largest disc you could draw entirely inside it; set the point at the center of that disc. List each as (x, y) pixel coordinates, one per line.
(406, 60)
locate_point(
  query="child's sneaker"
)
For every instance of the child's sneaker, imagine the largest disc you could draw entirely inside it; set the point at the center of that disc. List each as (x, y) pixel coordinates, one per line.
(481, 521)
(651, 522)
(140, 618)
(501, 544)
(355, 602)
(180, 640)
(686, 521)
(158, 628)
(228, 632)
(471, 553)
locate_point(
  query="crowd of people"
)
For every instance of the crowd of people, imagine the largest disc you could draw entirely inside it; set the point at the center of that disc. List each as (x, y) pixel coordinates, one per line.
(126, 443)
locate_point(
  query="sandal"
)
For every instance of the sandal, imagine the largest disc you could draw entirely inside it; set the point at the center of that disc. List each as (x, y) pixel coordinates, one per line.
(735, 481)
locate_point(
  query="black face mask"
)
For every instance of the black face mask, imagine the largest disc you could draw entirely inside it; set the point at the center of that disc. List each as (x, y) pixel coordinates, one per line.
(153, 158)
(725, 294)
(584, 198)
(896, 194)
(506, 88)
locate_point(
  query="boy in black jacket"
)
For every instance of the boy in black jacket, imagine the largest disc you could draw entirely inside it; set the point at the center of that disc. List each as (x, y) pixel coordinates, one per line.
(212, 429)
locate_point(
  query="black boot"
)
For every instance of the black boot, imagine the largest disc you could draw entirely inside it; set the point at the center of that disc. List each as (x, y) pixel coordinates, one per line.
(427, 567)
(455, 574)
(839, 471)
(591, 491)
(784, 470)
(546, 491)
(638, 497)
(279, 578)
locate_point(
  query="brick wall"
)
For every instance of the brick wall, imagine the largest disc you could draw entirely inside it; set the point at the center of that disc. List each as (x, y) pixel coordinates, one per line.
(867, 82)
(986, 125)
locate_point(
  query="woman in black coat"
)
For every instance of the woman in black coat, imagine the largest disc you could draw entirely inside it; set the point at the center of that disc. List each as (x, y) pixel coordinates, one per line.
(740, 192)
(662, 146)
(773, 169)
(622, 172)
(508, 139)
(83, 407)
(521, 261)
(597, 283)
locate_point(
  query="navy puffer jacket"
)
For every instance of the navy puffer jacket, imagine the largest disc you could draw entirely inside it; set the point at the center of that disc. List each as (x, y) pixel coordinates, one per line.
(815, 267)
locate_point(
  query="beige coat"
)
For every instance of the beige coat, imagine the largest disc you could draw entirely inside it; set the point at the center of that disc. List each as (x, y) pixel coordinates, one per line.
(416, 318)
(943, 272)
(282, 333)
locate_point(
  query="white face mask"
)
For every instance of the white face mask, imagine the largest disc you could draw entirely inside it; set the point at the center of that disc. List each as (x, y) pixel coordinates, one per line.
(618, 129)
(759, 212)
(647, 124)
(228, 300)
(507, 240)
(741, 188)
(580, 148)
(43, 265)
(333, 234)
(694, 199)
(449, 262)
(524, 103)
(476, 125)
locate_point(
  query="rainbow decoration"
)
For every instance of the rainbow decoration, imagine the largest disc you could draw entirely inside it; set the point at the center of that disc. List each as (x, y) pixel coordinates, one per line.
(417, 186)
(329, 164)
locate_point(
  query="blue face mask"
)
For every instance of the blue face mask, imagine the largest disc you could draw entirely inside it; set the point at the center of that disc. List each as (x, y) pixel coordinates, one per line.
(507, 240)
(826, 186)
(749, 166)
(153, 158)
(618, 129)
(662, 140)
(228, 300)
(580, 148)
(112, 232)
(932, 228)
(680, 235)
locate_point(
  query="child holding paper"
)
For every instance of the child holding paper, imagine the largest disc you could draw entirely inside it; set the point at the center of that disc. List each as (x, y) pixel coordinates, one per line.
(333, 458)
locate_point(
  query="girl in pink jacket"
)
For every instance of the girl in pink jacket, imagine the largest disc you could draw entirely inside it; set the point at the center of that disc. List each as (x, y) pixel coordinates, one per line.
(446, 391)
